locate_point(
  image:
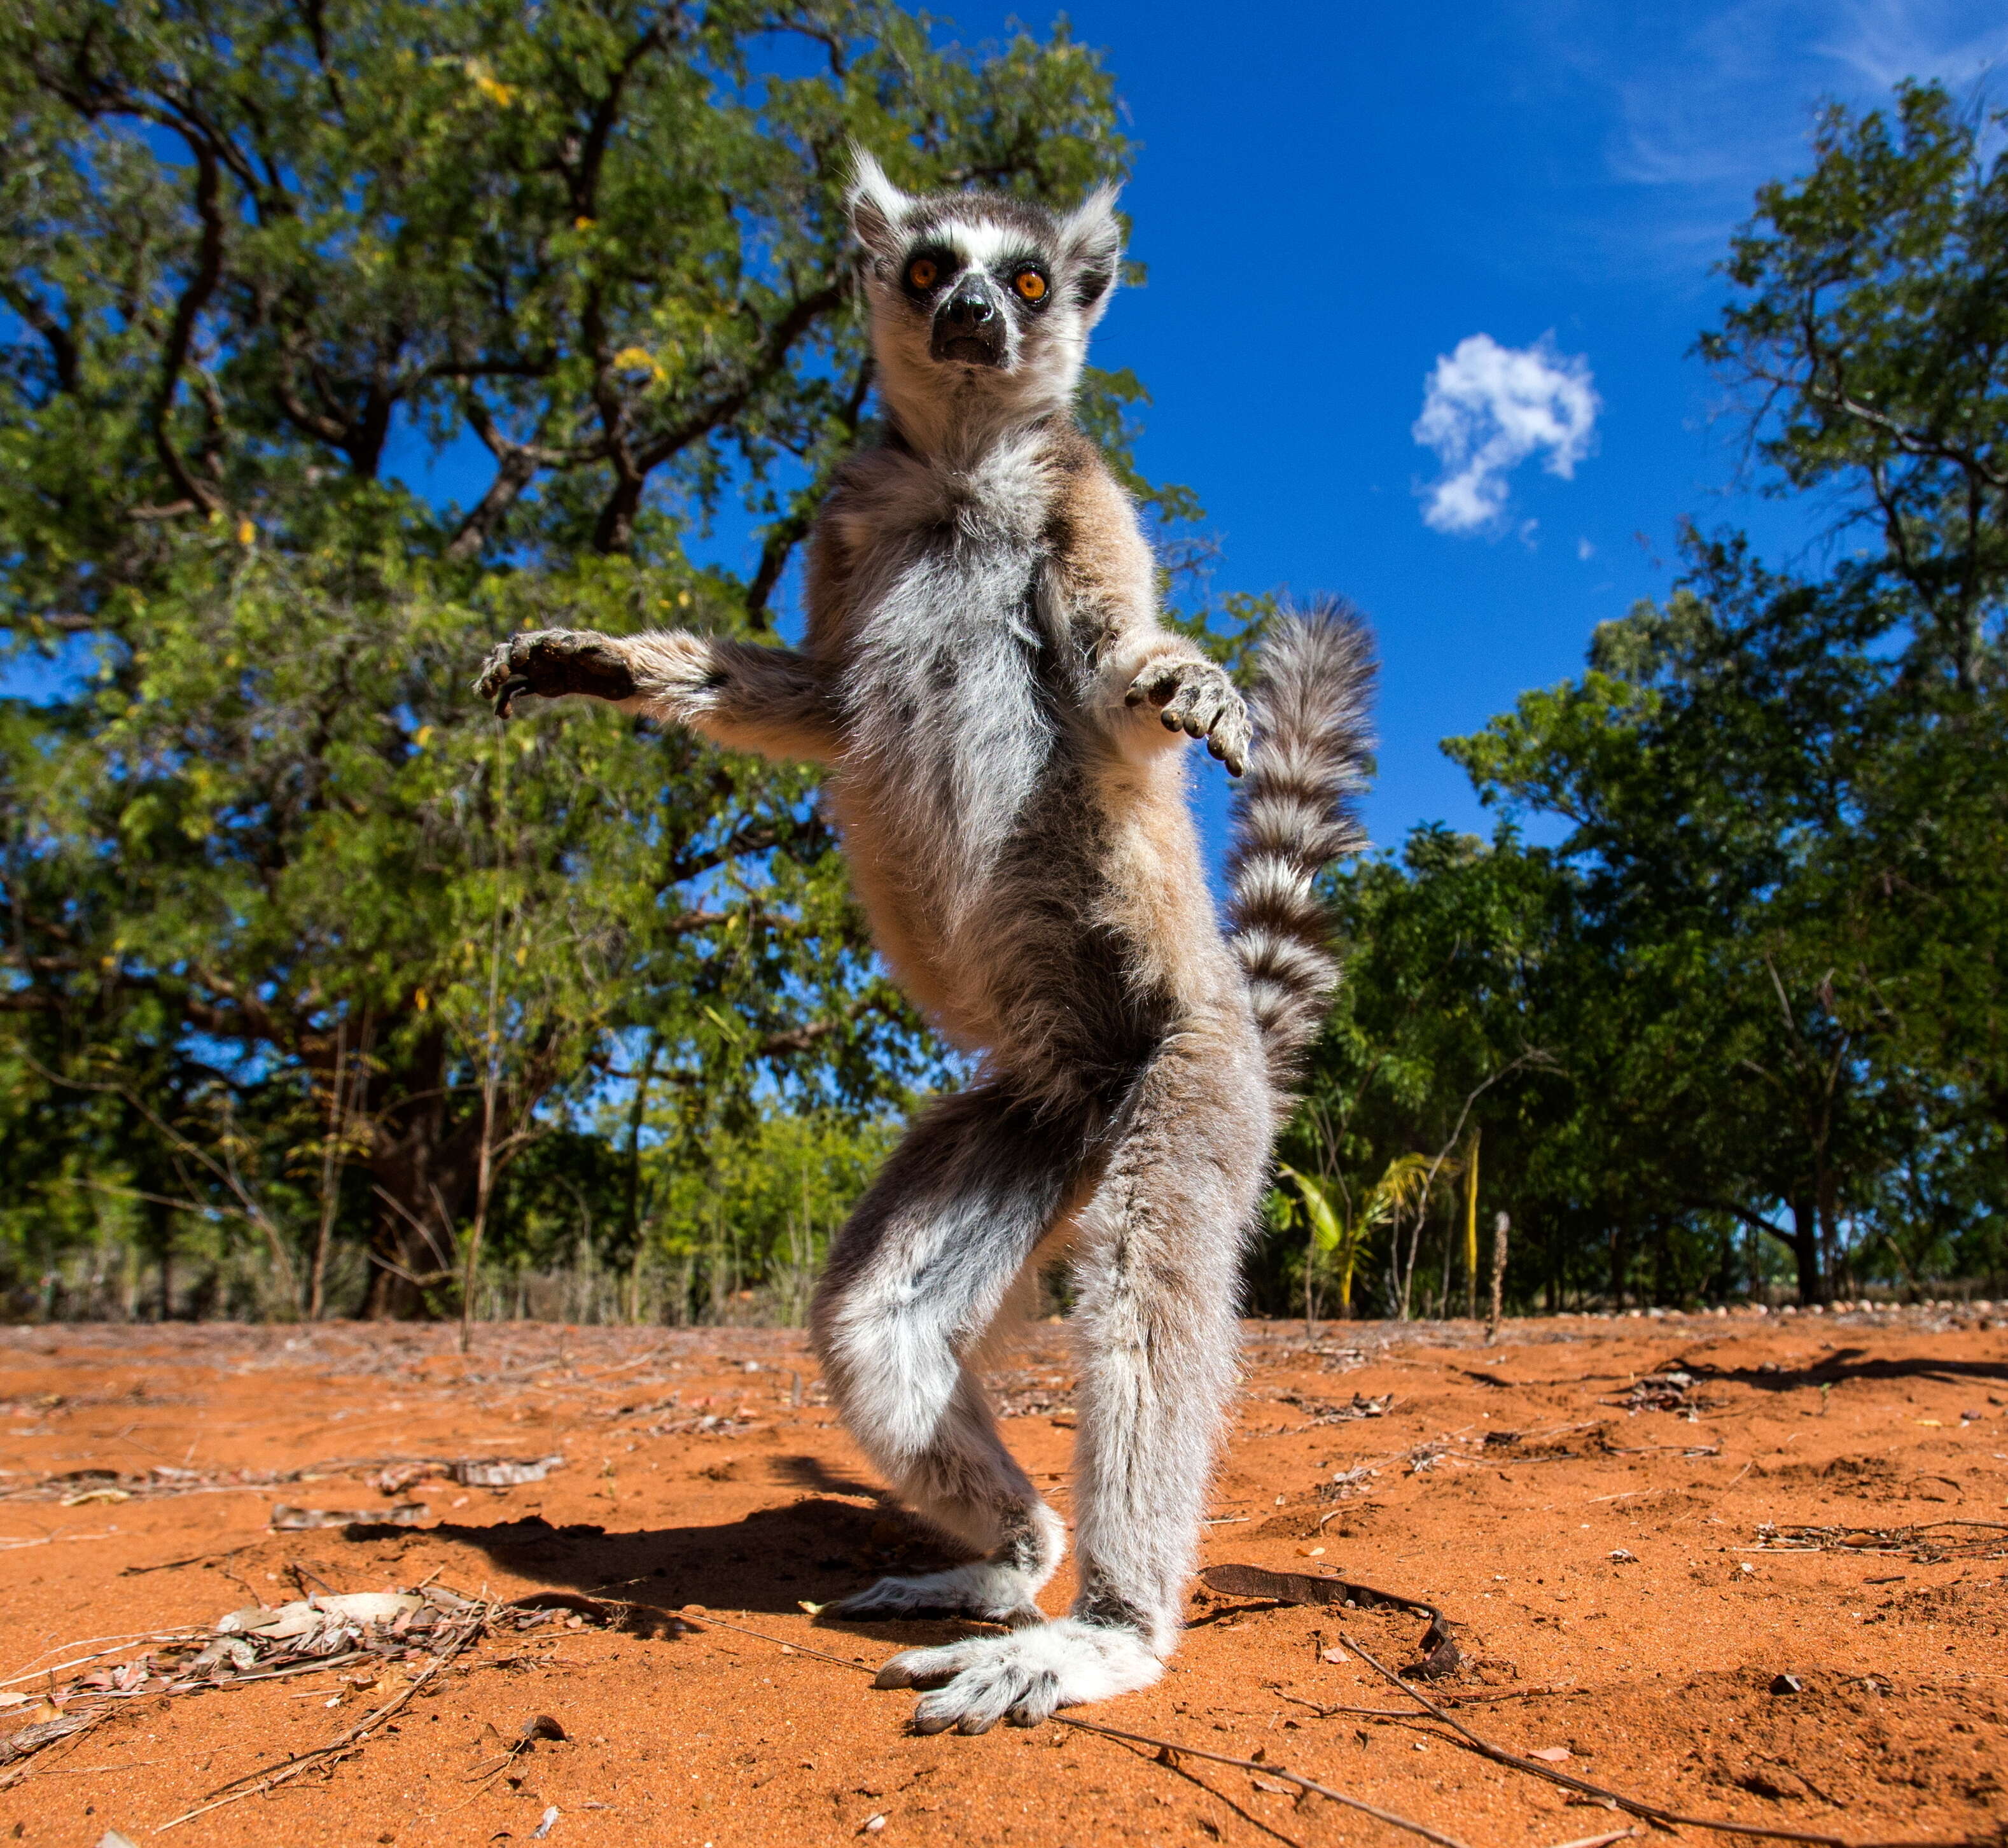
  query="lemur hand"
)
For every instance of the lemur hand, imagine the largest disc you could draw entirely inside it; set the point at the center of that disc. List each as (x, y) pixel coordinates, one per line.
(551, 663)
(1198, 698)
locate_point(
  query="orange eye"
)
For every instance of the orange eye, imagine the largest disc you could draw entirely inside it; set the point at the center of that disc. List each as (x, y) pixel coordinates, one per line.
(922, 271)
(1031, 285)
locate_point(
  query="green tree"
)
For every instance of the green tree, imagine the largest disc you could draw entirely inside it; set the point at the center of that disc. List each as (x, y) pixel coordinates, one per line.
(264, 862)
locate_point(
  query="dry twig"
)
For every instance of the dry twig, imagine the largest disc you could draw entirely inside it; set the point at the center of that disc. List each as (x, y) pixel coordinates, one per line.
(1652, 1812)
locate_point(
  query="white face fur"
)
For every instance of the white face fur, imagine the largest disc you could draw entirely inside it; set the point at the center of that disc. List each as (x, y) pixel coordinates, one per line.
(980, 306)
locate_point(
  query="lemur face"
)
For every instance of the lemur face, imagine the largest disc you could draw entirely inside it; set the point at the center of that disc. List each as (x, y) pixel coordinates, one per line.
(971, 290)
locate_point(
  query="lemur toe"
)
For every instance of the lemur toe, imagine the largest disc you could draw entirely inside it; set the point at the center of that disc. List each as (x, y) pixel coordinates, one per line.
(1037, 1703)
(921, 1668)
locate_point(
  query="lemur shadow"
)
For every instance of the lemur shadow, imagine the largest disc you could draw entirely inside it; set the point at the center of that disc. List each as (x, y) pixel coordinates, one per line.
(772, 1561)
(1846, 1364)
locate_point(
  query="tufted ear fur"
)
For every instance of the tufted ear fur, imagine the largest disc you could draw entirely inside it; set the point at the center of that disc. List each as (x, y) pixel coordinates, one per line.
(876, 204)
(1091, 244)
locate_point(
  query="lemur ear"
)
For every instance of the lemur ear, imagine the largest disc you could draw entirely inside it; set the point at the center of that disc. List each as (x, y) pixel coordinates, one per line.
(876, 205)
(1092, 241)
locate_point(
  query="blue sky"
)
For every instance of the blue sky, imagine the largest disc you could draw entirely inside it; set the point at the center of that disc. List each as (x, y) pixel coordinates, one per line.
(1333, 200)
(1330, 198)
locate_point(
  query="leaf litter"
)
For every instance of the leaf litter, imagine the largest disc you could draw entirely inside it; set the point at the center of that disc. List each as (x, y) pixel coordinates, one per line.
(1925, 1544)
(389, 1476)
(404, 1636)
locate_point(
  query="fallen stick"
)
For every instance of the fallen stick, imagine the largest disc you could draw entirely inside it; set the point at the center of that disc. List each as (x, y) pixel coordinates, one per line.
(22, 1745)
(1513, 1693)
(1652, 1812)
(1170, 1762)
(1252, 1765)
(1261, 1770)
(200, 1558)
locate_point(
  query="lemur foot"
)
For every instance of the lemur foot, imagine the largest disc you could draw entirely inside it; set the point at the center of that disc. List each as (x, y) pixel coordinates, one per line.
(1198, 699)
(996, 1594)
(551, 663)
(1023, 1677)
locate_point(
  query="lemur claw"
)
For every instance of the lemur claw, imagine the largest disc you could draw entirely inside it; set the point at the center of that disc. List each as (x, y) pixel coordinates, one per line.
(552, 663)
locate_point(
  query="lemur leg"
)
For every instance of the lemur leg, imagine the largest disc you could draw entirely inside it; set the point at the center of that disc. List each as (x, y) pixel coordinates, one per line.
(745, 696)
(916, 1278)
(1159, 1249)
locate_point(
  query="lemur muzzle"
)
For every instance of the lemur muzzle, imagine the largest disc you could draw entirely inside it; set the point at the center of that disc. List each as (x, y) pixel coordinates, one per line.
(969, 326)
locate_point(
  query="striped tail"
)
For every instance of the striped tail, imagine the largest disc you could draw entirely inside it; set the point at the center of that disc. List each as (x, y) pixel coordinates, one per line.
(1294, 814)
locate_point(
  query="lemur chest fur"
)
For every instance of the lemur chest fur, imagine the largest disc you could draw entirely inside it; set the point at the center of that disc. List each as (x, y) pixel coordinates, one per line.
(959, 682)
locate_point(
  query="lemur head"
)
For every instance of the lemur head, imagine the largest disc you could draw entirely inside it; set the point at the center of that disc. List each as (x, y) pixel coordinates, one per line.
(981, 305)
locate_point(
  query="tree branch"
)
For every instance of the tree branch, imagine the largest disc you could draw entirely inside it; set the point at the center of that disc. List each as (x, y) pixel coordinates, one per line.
(62, 348)
(181, 333)
(616, 519)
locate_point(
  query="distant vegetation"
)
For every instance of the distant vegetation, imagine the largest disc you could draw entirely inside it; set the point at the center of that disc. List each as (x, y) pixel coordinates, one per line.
(322, 994)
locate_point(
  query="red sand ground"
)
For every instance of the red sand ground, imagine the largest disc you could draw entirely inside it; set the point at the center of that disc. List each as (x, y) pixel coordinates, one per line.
(1606, 1579)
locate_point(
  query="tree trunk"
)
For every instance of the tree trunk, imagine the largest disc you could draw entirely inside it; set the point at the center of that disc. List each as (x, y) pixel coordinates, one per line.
(1501, 1226)
(1806, 1250)
(1827, 1207)
(423, 1167)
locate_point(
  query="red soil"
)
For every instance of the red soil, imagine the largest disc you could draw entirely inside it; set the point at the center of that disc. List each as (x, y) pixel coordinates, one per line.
(1606, 1578)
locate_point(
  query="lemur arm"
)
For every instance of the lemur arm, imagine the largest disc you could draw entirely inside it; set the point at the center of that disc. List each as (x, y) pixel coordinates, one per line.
(739, 694)
(1151, 687)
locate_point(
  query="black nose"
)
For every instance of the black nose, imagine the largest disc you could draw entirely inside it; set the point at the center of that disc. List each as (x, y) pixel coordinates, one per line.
(969, 309)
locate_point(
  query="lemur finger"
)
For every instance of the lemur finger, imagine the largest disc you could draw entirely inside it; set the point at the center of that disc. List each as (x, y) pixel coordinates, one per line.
(1156, 684)
(1228, 740)
(1178, 713)
(1235, 734)
(494, 670)
(1214, 704)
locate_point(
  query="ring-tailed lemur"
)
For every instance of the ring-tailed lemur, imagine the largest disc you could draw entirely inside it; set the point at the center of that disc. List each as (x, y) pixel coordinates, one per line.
(985, 678)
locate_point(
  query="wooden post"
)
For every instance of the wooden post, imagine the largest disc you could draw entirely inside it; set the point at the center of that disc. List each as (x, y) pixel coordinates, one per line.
(1471, 1230)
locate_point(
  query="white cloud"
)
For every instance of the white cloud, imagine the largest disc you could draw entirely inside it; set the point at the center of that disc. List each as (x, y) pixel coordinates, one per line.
(1585, 551)
(1486, 409)
(1959, 41)
(1701, 103)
